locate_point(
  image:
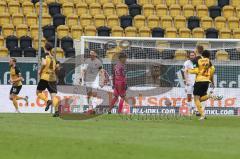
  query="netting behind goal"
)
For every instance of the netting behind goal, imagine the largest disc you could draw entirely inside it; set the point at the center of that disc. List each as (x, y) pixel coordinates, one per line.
(154, 75)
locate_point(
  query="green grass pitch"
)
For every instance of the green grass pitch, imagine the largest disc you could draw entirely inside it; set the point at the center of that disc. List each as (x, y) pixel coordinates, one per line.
(39, 136)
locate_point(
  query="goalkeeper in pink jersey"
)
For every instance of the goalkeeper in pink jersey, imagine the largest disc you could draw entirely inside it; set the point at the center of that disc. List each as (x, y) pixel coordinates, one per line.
(119, 83)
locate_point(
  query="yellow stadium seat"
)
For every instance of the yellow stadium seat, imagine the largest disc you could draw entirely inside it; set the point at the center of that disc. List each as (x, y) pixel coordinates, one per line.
(202, 11)
(225, 33)
(188, 10)
(44, 7)
(64, 1)
(4, 18)
(142, 2)
(17, 18)
(233, 22)
(153, 21)
(175, 10)
(108, 9)
(21, 30)
(238, 11)
(161, 10)
(68, 8)
(85, 20)
(197, 2)
(148, 10)
(95, 8)
(59, 52)
(184, 33)
(198, 33)
(121, 9)
(35, 43)
(220, 22)
(139, 21)
(99, 20)
(75, 2)
(130, 32)
(206, 22)
(102, 2)
(81, 8)
(222, 55)
(180, 55)
(90, 1)
(235, 3)
(1, 41)
(236, 33)
(76, 32)
(62, 31)
(170, 2)
(180, 22)
(112, 21)
(90, 30)
(31, 19)
(34, 31)
(117, 2)
(46, 19)
(157, 2)
(228, 11)
(13, 7)
(7, 29)
(144, 32)
(50, 1)
(210, 3)
(3, 6)
(117, 31)
(166, 22)
(171, 32)
(183, 2)
(72, 20)
(3, 52)
(27, 7)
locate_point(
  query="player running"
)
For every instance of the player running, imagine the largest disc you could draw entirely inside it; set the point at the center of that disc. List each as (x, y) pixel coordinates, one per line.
(119, 83)
(16, 81)
(204, 76)
(189, 80)
(48, 79)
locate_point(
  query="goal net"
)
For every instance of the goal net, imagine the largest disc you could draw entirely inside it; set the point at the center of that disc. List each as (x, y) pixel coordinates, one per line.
(154, 71)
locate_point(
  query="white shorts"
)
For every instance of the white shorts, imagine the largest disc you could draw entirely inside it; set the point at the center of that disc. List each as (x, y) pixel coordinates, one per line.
(90, 86)
(189, 89)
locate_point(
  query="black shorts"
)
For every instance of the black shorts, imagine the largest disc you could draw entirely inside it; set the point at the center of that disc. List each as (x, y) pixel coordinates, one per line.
(200, 88)
(50, 86)
(15, 90)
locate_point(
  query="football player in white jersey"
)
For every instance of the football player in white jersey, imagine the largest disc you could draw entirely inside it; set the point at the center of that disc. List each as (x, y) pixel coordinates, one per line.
(189, 79)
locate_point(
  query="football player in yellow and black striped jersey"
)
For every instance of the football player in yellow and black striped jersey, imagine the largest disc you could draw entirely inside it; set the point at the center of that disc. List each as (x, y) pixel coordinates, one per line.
(48, 79)
(204, 71)
(16, 81)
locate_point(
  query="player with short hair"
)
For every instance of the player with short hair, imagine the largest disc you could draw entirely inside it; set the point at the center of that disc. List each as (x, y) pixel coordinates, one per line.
(119, 83)
(204, 71)
(48, 79)
(90, 73)
(199, 50)
(16, 81)
(189, 79)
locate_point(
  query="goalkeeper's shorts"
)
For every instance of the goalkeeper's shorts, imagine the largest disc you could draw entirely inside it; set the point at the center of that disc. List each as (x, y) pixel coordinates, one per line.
(200, 88)
(120, 88)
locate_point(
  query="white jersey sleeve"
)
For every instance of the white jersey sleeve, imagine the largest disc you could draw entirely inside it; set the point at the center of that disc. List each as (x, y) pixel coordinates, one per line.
(191, 77)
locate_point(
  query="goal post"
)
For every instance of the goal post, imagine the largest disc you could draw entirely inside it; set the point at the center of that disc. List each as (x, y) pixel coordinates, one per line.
(154, 67)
